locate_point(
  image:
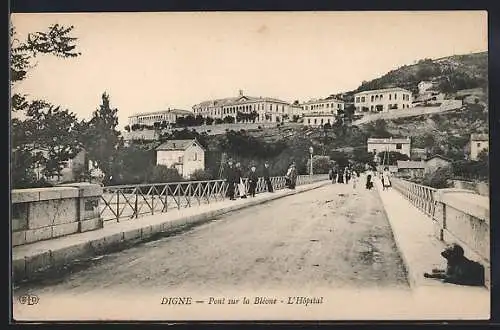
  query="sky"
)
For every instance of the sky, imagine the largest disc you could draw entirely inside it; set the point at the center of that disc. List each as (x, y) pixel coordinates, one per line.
(153, 61)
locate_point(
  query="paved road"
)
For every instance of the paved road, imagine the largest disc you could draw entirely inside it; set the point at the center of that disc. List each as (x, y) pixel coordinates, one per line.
(328, 237)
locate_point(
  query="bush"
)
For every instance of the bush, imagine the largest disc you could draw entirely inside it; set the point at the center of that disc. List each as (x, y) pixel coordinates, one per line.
(163, 174)
(201, 175)
(438, 179)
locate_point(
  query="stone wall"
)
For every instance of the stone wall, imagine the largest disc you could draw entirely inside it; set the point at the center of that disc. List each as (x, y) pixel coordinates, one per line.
(482, 188)
(44, 213)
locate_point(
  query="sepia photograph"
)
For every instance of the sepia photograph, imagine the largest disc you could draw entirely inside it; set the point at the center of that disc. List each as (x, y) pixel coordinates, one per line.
(212, 166)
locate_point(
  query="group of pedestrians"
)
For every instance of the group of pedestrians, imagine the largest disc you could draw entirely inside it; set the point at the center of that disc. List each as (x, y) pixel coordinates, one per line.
(343, 175)
(234, 179)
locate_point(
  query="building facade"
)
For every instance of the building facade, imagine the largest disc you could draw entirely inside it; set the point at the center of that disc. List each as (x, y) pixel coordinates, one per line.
(266, 109)
(186, 156)
(328, 105)
(382, 100)
(318, 119)
(478, 143)
(377, 145)
(149, 118)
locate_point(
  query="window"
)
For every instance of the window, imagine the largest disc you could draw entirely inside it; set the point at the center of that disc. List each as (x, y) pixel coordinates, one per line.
(363, 99)
(399, 146)
(321, 120)
(328, 105)
(381, 97)
(390, 97)
(195, 156)
(309, 121)
(395, 96)
(315, 120)
(372, 98)
(357, 99)
(180, 159)
(479, 145)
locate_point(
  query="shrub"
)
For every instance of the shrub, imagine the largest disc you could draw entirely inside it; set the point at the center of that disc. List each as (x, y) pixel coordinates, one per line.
(438, 179)
(201, 175)
(162, 174)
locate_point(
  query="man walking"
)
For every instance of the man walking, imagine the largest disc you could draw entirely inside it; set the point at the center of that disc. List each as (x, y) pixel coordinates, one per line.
(267, 178)
(231, 179)
(253, 178)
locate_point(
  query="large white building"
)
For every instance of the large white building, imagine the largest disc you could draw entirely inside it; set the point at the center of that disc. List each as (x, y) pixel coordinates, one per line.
(377, 145)
(382, 100)
(328, 105)
(267, 109)
(149, 118)
(186, 156)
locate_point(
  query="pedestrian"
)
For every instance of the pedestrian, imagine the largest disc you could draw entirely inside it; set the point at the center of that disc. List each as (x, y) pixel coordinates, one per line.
(253, 178)
(347, 175)
(293, 176)
(355, 178)
(340, 176)
(239, 181)
(334, 174)
(386, 181)
(369, 182)
(231, 179)
(267, 177)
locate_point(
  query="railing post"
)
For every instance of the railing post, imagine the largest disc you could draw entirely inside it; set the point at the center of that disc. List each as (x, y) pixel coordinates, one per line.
(136, 211)
(152, 201)
(118, 205)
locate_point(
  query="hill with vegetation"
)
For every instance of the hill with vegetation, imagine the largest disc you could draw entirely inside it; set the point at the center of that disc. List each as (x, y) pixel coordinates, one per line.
(450, 74)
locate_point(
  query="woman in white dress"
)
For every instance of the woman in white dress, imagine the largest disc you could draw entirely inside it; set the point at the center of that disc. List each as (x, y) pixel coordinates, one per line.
(386, 182)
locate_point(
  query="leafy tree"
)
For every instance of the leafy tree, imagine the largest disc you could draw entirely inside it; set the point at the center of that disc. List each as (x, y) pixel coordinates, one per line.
(378, 129)
(321, 164)
(229, 120)
(209, 121)
(101, 139)
(45, 126)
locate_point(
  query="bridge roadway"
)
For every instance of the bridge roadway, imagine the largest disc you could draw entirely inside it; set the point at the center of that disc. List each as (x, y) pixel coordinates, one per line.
(333, 236)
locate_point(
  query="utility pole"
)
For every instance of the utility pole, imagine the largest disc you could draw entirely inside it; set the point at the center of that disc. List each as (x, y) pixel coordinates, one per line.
(221, 168)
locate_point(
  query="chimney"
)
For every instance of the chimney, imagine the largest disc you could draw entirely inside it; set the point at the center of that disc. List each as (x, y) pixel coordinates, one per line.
(241, 92)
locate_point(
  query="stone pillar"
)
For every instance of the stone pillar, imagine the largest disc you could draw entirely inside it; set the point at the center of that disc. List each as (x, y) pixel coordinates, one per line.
(88, 211)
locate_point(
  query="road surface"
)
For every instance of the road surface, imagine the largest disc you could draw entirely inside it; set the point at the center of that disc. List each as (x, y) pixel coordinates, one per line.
(333, 237)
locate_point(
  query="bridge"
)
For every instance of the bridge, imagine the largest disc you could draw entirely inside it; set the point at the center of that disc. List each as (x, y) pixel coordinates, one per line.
(333, 240)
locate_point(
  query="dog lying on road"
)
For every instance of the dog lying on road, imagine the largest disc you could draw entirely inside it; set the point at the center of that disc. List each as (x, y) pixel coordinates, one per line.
(459, 269)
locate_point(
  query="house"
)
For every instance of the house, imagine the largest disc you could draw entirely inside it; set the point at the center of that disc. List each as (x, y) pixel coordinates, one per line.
(478, 143)
(168, 116)
(186, 156)
(382, 100)
(435, 162)
(411, 169)
(401, 145)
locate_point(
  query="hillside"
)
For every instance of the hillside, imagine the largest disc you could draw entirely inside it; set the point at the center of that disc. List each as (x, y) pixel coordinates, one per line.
(450, 74)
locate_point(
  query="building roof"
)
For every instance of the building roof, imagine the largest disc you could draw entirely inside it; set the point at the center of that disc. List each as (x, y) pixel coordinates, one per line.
(479, 137)
(172, 145)
(328, 99)
(389, 140)
(394, 89)
(161, 112)
(242, 99)
(410, 164)
(438, 156)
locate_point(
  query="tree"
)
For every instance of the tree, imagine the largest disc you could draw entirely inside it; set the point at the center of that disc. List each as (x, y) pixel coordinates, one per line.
(45, 137)
(100, 136)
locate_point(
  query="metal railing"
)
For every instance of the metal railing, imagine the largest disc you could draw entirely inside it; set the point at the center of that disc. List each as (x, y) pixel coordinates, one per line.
(423, 197)
(132, 201)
